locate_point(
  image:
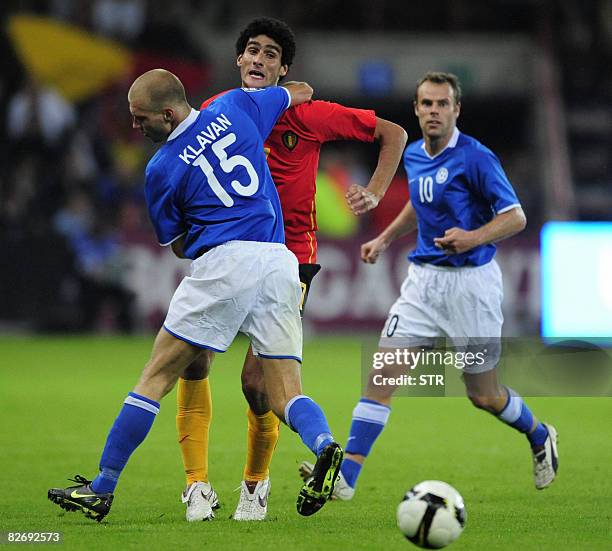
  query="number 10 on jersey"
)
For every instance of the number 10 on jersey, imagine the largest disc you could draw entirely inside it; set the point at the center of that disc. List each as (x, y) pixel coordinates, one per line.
(426, 189)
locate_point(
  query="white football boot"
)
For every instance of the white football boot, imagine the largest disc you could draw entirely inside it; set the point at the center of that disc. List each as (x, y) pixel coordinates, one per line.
(342, 490)
(201, 499)
(253, 502)
(546, 460)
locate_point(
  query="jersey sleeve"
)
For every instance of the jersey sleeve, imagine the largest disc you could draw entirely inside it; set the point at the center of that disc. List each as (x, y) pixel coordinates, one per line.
(164, 212)
(324, 121)
(492, 182)
(208, 101)
(263, 105)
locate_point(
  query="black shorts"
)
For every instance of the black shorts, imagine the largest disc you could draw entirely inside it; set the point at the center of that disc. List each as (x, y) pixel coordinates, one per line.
(307, 273)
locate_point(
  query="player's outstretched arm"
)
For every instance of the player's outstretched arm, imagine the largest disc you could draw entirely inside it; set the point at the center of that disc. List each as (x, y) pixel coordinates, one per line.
(405, 222)
(301, 92)
(392, 139)
(507, 224)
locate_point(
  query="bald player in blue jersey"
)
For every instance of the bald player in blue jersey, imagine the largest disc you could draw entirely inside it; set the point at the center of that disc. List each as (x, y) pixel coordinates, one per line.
(211, 198)
(461, 203)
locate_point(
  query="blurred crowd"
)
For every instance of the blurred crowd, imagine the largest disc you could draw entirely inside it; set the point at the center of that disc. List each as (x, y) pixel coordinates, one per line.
(71, 189)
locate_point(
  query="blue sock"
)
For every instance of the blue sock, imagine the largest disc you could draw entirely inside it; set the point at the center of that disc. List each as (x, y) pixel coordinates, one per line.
(538, 436)
(518, 415)
(130, 429)
(305, 417)
(369, 420)
(350, 470)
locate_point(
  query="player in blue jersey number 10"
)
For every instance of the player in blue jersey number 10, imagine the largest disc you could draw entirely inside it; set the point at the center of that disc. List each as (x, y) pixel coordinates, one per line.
(211, 197)
(461, 203)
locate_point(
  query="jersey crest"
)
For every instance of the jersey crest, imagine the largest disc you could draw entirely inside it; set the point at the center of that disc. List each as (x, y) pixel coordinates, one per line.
(290, 139)
(441, 175)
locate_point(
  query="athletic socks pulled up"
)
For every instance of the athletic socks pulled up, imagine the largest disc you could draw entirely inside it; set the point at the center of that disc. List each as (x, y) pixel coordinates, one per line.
(369, 420)
(193, 418)
(519, 416)
(305, 417)
(129, 430)
(263, 433)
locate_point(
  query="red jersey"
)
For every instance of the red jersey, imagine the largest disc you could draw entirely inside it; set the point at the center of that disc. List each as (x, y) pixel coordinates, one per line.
(293, 149)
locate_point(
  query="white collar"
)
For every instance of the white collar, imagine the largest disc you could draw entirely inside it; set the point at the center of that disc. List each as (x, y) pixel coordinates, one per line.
(451, 143)
(187, 122)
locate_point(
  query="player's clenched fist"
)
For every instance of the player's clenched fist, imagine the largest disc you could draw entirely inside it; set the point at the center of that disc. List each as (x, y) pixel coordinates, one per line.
(456, 241)
(360, 200)
(372, 249)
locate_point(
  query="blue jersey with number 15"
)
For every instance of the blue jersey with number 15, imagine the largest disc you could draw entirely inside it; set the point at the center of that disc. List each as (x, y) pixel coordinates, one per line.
(463, 186)
(210, 181)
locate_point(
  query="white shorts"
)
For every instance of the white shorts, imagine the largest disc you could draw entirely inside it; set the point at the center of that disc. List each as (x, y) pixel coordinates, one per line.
(245, 286)
(461, 304)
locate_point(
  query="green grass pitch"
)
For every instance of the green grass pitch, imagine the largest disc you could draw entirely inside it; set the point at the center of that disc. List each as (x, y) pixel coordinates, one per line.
(59, 396)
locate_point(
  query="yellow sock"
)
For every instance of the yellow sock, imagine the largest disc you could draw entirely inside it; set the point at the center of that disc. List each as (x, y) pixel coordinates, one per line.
(261, 440)
(194, 412)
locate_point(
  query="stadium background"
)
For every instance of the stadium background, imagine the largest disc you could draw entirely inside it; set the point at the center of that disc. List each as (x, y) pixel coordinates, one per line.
(80, 262)
(78, 250)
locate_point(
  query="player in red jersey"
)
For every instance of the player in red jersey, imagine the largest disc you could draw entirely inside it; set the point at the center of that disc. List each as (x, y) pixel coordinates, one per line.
(265, 51)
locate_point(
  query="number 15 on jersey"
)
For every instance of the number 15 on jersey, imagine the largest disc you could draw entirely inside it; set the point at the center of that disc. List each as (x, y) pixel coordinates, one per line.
(227, 165)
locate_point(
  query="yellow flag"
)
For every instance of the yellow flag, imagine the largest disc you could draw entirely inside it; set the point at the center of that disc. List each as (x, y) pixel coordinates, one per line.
(75, 62)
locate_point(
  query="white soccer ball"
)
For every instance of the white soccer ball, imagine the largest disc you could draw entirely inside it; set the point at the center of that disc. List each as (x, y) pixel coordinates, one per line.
(432, 514)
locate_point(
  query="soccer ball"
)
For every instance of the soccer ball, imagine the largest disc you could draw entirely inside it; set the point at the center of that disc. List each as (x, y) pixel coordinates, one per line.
(432, 514)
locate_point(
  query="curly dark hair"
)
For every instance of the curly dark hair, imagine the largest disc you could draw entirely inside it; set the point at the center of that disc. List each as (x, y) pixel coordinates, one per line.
(277, 30)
